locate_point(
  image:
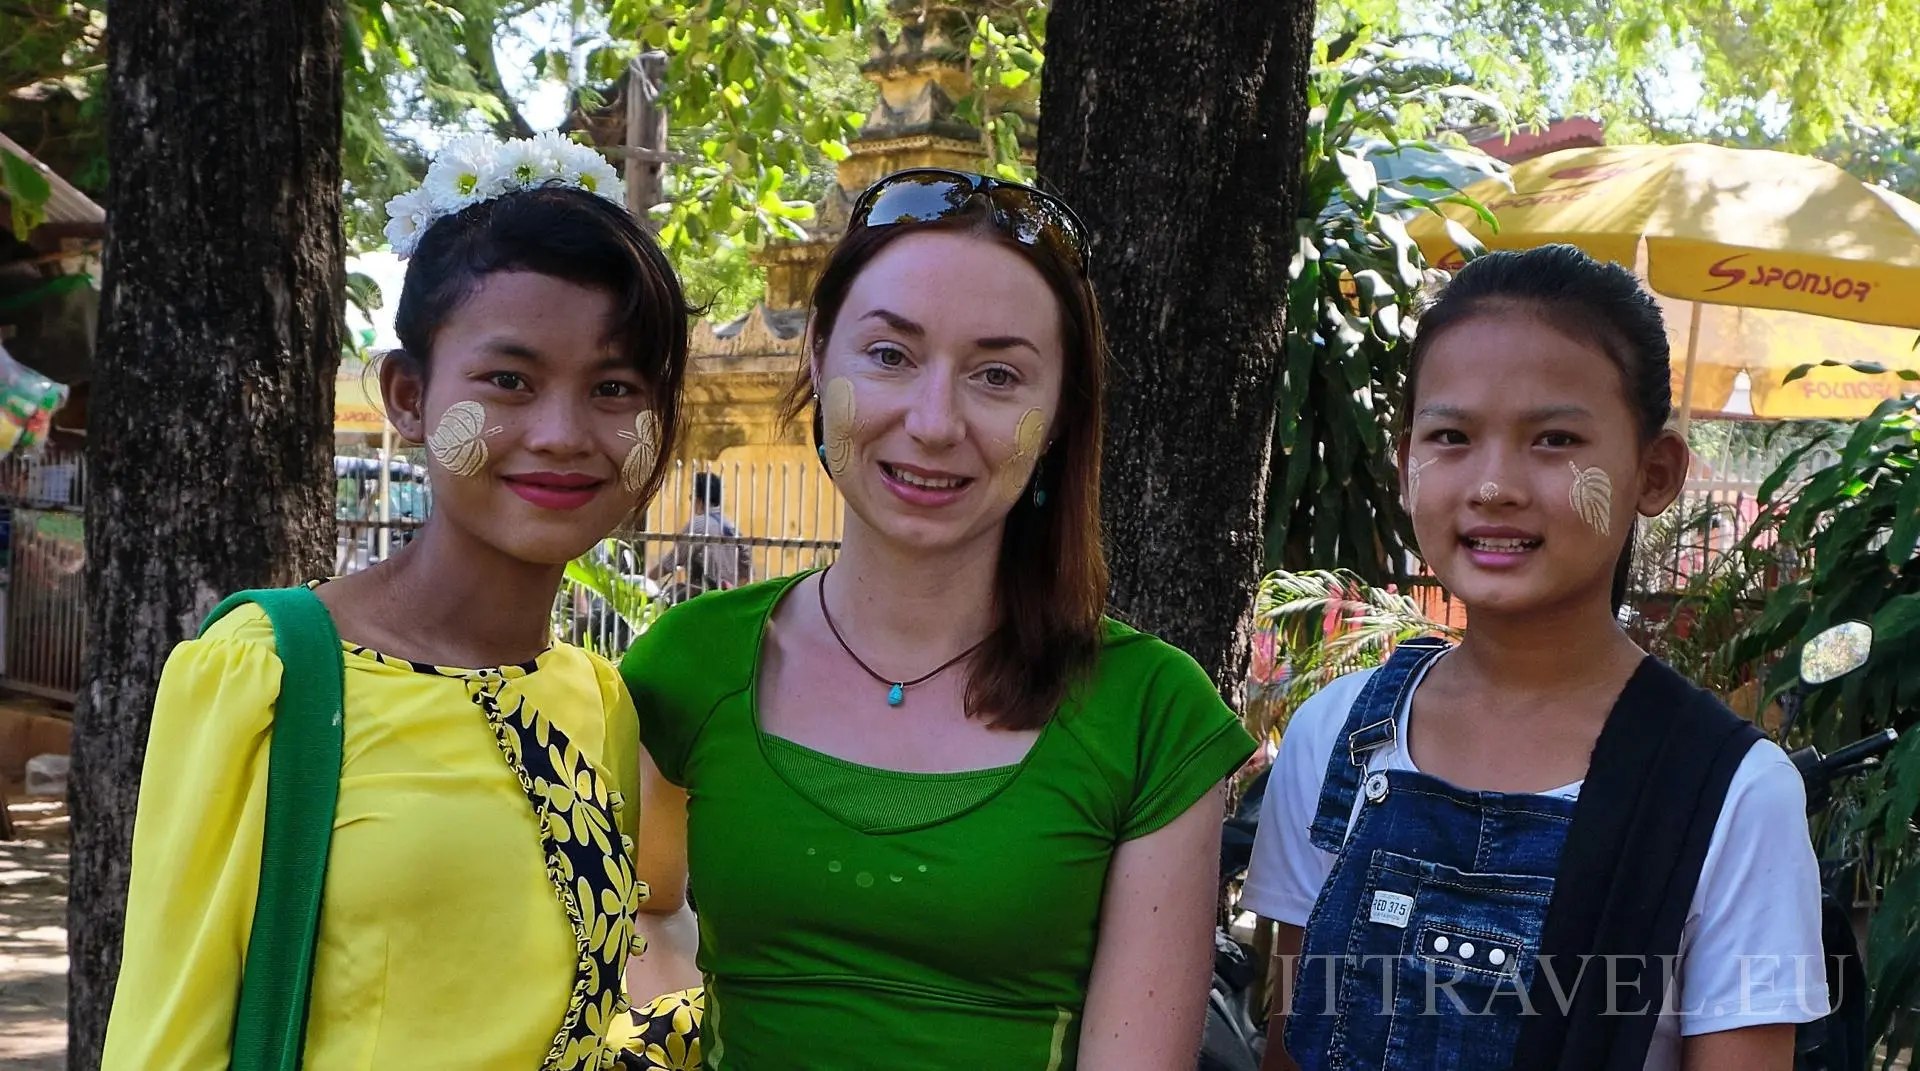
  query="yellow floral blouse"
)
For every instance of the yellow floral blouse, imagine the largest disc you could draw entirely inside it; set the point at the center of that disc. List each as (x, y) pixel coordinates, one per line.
(478, 909)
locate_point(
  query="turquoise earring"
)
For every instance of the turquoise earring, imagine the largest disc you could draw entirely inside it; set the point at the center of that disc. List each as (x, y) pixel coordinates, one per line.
(819, 432)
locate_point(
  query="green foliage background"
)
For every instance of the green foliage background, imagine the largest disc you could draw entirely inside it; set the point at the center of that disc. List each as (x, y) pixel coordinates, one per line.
(764, 95)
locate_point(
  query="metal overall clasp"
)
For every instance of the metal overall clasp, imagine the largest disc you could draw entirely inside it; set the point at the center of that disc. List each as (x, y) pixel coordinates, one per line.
(1361, 743)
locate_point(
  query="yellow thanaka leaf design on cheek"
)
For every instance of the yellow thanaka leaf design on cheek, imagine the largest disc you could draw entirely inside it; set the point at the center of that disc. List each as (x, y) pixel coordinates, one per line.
(1026, 454)
(458, 442)
(1415, 467)
(838, 414)
(1592, 497)
(646, 450)
(1026, 438)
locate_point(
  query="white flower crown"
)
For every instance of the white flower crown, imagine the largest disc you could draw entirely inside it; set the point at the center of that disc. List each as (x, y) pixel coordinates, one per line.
(478, 168)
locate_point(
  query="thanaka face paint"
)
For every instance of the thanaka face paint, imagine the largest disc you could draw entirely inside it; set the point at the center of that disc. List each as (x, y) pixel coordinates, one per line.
(1592, 497)
(639, 461)
(1018, 468)
(1414, 467)
(459, 442)
(838, 421)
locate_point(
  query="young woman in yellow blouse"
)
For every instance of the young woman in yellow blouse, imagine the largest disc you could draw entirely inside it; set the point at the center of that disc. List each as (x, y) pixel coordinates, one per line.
(477, 907)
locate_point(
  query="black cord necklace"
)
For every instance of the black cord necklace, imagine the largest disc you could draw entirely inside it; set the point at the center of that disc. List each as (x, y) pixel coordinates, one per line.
(896, 690)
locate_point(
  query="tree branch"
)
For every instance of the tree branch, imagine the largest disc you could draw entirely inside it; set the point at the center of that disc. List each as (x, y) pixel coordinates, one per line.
(478, 35)
(1338, 48)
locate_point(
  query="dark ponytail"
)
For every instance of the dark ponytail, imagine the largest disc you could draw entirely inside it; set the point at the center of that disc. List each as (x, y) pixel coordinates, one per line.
(1581, 297)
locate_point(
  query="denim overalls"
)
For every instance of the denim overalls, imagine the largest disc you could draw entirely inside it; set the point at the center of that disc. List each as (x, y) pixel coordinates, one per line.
(1420, 950)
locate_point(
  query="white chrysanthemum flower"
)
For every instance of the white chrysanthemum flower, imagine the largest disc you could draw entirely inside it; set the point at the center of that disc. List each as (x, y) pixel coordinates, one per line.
(559, 149)
(476, 168)
(408, 217)
(524, 163)
(583, 167)
(566, 157)
(464, 173)
(597, 176)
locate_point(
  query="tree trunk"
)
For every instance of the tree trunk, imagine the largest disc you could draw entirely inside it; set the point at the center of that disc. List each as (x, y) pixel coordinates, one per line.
(1174, 128)
(210, 435)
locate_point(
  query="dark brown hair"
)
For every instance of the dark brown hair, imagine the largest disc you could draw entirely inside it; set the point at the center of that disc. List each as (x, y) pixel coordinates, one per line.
(1050, 588)
(569, 234)
(1579, 297)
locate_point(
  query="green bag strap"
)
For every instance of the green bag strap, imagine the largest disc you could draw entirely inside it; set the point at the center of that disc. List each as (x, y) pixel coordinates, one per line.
(303, 785)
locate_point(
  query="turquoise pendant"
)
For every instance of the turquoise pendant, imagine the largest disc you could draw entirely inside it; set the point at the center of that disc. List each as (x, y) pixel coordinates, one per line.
(895, 694)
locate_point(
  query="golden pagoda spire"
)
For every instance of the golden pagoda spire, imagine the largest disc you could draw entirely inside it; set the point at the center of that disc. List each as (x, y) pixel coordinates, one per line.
(922, 73)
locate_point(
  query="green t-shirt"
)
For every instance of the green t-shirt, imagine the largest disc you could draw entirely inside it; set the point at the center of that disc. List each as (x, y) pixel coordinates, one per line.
(858, 917)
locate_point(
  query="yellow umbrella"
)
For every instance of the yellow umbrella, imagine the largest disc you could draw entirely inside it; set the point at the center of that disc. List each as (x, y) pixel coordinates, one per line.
(1765, 261)
(1767, 344)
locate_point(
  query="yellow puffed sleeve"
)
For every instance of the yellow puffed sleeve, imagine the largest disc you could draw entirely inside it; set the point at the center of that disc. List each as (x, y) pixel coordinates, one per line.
(196, 851)
(620, 754)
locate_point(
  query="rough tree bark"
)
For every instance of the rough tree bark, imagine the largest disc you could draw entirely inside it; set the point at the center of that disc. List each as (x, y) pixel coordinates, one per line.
(210, 434)
(1174, 128)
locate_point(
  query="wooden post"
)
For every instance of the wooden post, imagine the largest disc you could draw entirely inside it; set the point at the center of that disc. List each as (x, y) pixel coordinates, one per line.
(646, 132)
(1686, 382)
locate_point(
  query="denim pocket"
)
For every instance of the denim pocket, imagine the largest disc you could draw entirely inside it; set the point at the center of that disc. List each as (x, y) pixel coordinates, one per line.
(1439, 961)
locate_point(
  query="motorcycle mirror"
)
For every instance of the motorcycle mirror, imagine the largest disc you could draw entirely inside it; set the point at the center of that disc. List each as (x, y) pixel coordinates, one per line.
(1836, 652)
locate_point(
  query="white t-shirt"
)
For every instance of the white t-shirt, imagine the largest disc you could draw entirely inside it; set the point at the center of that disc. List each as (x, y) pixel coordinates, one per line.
(1750, 952)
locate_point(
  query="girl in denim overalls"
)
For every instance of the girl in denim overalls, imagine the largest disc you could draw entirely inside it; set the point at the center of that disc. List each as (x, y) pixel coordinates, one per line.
(1413, 830)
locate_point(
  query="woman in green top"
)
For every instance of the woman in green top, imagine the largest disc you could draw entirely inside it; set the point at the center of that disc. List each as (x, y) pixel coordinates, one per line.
(938, 812)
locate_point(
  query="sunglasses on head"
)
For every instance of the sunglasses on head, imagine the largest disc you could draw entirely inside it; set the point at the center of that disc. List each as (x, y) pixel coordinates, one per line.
(923, 194)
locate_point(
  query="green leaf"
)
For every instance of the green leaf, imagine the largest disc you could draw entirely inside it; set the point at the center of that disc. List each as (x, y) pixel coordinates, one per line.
(27, 193)
(1360, 176)
(1337, 104)
(1373, 287)
(1362, 540)
(1905, 538)
(1902, 798)
(1897, 620)
(740, 66)
(1472, 204)
(1468, 93)
(1865, 435)
(1299, 463)
(1870, 368)
(1346, 332)
(363, 293)
(1404, 249)
(1785, 470)
(1463, 239)
(1302, 292)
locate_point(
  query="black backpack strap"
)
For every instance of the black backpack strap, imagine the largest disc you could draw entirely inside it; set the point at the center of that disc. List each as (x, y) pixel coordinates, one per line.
(1640, 833)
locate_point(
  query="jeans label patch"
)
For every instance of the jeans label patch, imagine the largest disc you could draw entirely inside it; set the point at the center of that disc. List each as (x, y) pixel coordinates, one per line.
(1394, 909)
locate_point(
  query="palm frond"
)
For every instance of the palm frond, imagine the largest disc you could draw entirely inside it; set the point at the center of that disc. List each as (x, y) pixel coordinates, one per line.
(600, 574)
(1327, 623)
